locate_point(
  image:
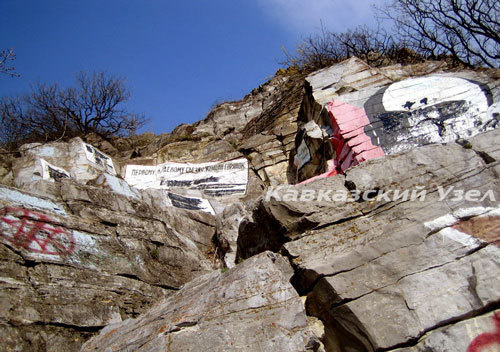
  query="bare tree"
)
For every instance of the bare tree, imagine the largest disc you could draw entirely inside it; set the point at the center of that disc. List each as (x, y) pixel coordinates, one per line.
(12, 130)
(376, 47)
(7, 55)
(94, 105)
(466, 30)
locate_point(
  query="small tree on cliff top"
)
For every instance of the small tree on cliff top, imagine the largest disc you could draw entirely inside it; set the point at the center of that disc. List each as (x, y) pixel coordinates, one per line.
(466, 30)
(94, 105)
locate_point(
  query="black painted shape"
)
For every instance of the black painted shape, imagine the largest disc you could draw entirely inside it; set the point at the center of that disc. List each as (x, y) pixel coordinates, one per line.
(184, 202)
(408, 105)
(206, 180)
(56, 174)
(386, 126)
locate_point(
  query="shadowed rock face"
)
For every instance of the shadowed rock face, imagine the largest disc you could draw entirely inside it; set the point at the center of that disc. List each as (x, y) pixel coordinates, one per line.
(379, 265)
(250, 308)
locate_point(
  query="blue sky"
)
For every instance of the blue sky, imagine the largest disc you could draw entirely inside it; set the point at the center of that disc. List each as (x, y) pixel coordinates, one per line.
(179, 57)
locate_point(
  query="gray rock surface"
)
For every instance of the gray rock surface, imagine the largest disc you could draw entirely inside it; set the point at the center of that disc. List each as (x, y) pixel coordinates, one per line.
(487, 146)
(252, 307)
(228, 223)
(92, 257)
(383, 273)
(481, 333)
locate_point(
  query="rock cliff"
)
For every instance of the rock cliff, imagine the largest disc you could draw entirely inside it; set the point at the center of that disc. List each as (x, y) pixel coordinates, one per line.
(355, 209)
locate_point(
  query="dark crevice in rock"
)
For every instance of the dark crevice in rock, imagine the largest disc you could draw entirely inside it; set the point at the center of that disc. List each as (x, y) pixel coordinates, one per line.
(343, 331)
(340, 221)
(203, 222)
(30, 263)
(135, 277)
(298, 277)
(350, 185)
(78, 328)
(336, 338)
(186, 324)
(488, 159)
(166, 287)
(108, 223)
(472, 286)
(262, 233)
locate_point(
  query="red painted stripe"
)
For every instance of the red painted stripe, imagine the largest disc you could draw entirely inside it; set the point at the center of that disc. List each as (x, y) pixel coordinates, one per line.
(353, 145)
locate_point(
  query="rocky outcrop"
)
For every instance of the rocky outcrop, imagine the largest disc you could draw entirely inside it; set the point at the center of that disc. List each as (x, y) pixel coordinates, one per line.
(250, 308)
(197, 239)
(392, 268)
(353, 112)
(82, 248)
(84, 256)
(260, 127)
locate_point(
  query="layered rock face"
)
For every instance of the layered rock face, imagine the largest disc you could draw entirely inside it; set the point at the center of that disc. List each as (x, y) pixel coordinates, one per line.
(92, 257)
(250, 308)
(202, 239)
(392, 268)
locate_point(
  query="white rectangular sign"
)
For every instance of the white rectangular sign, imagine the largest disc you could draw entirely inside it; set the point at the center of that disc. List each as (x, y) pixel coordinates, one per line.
(214, 179)
(97, 157)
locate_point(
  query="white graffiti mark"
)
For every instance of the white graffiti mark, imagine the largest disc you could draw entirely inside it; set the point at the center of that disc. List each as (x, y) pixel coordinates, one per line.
(432, 109)
(97, 157)
(51, 172)
(13, 196)
(469, 226)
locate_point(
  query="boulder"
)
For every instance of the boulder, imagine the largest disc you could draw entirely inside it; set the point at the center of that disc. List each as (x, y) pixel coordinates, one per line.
(54, 161)
(481, 333)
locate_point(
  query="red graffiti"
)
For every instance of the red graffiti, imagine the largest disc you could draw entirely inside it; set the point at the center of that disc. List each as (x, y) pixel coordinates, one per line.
(350, 142)
(488, 338)
(33, 232)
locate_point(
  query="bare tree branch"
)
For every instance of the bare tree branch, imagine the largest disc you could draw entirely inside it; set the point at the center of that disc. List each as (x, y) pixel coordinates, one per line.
(467, 30)
(7, 55)
(376, 47)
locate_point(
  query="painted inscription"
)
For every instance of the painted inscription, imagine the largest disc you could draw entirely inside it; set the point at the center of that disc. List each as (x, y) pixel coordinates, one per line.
(34, 232)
